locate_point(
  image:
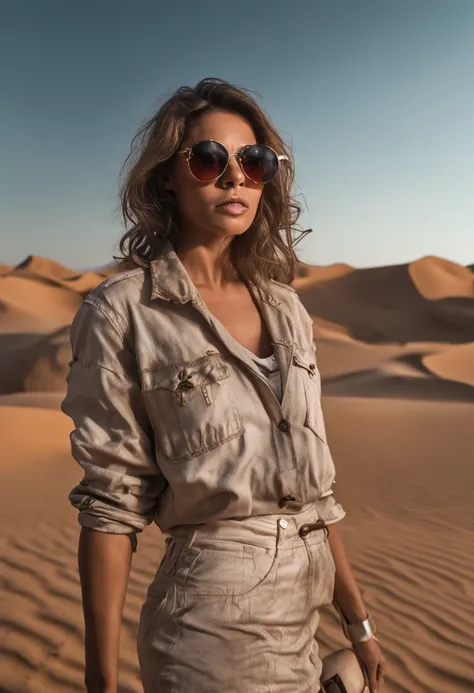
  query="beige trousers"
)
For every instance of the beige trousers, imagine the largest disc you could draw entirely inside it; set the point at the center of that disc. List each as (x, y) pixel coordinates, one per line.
(234, 608)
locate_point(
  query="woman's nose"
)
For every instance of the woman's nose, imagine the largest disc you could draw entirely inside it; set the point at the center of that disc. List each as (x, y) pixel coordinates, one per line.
(233, 175)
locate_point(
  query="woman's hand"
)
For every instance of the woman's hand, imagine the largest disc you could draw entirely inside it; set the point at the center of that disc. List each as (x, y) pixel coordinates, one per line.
(371, 655)
(349, 600)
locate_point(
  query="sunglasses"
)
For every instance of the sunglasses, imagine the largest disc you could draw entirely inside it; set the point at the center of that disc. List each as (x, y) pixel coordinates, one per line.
(208, 159)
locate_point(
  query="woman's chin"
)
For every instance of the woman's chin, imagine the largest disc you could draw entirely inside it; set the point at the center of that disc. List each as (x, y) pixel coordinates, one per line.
(239, 224)
(236, 227)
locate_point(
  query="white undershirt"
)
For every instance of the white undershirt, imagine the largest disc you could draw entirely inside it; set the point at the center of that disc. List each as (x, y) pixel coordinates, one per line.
(268, 365)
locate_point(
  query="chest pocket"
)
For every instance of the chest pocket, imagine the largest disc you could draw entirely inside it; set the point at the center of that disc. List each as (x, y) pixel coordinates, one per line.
(191, 407)
(311, 379)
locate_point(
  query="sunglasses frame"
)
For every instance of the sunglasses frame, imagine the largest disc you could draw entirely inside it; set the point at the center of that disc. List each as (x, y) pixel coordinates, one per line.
(188, 152)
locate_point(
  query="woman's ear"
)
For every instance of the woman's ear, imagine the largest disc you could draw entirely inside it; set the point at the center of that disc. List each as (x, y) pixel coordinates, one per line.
(168, 178)
(169, 187)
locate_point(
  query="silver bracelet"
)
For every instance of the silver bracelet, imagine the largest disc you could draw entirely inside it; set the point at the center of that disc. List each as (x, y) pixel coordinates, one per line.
(362, 631)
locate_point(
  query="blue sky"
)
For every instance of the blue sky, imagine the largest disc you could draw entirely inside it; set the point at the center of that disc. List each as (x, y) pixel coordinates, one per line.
(375, 96)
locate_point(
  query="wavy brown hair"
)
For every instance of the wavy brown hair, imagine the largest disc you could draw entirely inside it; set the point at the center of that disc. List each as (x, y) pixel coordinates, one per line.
(265, 251)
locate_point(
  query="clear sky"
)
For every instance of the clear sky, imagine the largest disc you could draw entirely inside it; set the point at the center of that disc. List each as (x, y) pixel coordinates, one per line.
(375, 96)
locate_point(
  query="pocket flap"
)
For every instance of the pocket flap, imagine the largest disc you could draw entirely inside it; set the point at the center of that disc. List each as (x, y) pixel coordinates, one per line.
(304, 362)
(204, 371)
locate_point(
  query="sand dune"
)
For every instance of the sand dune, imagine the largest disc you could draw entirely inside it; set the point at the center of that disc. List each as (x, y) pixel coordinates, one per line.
(34, 362)
(40, 293)
(437, 278)
(308, 274)
(23, 300)
(35, 400)
(384, 305)
(341, 354)
(395, 348)
(455, 363)
(51, 272)
(402, 379)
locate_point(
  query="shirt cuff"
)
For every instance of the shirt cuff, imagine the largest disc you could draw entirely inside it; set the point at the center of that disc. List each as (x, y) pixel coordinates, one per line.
(329, 509)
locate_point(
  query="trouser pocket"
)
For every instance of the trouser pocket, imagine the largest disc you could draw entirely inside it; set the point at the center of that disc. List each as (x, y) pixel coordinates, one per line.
(212, 567)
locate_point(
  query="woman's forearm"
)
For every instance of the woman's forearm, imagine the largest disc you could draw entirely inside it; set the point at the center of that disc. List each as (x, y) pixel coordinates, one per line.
(104, 567)
(346, 592)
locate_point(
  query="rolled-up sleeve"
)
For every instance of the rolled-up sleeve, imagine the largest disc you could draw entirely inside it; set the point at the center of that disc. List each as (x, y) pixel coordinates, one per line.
(112, 440)
(329, 509)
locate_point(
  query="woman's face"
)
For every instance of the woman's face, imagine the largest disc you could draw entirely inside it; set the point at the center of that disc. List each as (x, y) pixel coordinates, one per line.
(203, 215)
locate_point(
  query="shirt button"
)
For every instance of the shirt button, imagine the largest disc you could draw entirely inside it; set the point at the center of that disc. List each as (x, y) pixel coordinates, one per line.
(284, 425)
(283, 524)
(285, 500)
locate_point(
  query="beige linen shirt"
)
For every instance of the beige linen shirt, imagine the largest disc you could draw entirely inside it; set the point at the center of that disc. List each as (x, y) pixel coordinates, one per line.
(174, 421)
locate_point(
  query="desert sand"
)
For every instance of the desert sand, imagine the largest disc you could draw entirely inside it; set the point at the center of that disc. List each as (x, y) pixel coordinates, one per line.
(396, 351)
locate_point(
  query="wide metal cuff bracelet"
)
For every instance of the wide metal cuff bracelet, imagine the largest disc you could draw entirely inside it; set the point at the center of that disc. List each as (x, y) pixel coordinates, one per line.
(360, 632)
(357, 632)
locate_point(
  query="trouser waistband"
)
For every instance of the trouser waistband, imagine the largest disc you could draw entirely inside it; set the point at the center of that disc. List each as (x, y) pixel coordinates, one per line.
(257, 529)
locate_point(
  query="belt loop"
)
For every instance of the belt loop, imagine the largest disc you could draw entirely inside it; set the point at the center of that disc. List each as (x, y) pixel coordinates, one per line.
(191, 541)
(172, 551)
(311, 527)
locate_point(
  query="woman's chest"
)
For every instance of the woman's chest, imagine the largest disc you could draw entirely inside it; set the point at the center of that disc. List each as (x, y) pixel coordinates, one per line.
(239, 315)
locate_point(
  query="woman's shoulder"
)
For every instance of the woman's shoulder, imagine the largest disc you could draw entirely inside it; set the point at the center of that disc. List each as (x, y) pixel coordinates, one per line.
(120, 286)
(280, 286)
(288, 299)
(289, 296)
(274, 291)
(120, 290)
(115, 298)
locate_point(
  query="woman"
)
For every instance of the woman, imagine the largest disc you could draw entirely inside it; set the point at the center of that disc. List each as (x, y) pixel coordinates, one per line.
(196, 403)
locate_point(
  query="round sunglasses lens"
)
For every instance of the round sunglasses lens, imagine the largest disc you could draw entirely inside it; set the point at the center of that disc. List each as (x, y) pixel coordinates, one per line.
(259, 163)
(208, 160)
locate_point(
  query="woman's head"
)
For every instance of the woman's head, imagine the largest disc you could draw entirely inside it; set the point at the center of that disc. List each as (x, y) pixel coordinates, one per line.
(178, 192)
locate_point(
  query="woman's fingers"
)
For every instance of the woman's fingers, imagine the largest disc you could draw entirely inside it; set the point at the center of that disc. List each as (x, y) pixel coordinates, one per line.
(376, 673)
(381, 671)
(371, 655)
(373, 680)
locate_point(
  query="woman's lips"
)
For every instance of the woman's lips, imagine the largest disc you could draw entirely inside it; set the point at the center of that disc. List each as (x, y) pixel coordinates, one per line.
(233, 208)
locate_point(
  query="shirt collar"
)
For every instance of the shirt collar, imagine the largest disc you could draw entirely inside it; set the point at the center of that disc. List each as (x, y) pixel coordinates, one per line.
(170, 281)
